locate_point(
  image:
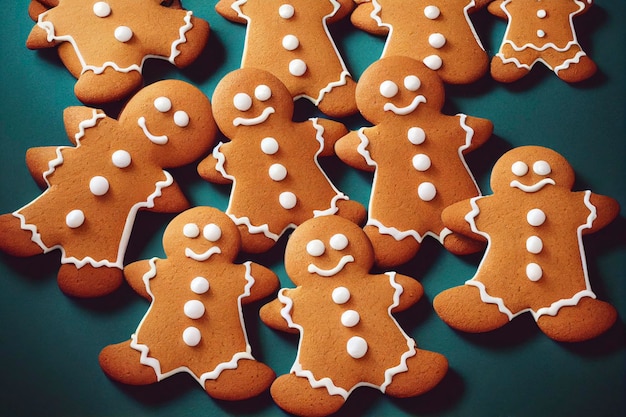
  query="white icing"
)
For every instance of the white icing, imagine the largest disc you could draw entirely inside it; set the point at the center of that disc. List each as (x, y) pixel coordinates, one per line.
(242, 102)
(356, 347)
(191, 230)
(427, 191)
(436, 40)
(541, 34)
(315, 248)
(287, 200)
(253, 121)
(542, 168)
(297, 67)
(201, 257)
(519, 169)
(286, 11)
(199, 285)
(277, 172)
(434, 62)
(388, 89)
(416, 135)
(75, 219)
(534, 245)
(99, 185)
(123, 34)
(412, 82)
(432, 12)
(163, 104)
(121, 159)
(181, 118)
(350, 318)
(339, 241)
(262, 92)
(534, 272)
(194, 309)
(341, 295)
(534, 187)
(269, 146)
(345, 260)
(157, 140)
(212, 232)
(101, 9)
(536, 217)
(192, 336)
(421, 162)
(403, 111)
(291, 42)
(541, 14)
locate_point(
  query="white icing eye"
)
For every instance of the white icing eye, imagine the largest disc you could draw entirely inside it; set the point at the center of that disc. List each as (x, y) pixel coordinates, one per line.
(101, 9)
(315, 248)
(412, 83)
(242, 102)
(181, 118)
(212, 232)
(123, 33)
(75, 219)
(339, 241)
(163, 104)
(99, 185)
(416, 135)
(286, 11)
(199, 285)
(519, 169)
(388, 89)
(263, 92)
(356, 347)
(542, 168)
(341, 295)
(269, 146)
(121, 159)
(191, 230)
(432, 12)
(192, 336)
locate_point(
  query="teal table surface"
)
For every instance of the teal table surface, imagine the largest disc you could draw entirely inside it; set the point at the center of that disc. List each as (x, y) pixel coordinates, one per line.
(49, 342)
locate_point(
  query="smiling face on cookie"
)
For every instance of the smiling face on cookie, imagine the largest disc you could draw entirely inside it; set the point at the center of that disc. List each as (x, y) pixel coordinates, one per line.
(173, 122)
(396, 87)
(250, 97)
(202, 234)
(529, 169)
(327, 247)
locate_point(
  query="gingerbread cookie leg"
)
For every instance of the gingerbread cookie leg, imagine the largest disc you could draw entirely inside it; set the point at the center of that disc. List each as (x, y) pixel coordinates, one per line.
(425, 370)
(248, 380)
(296, 395)
(390, 251)
(88, 281)
(121, 363)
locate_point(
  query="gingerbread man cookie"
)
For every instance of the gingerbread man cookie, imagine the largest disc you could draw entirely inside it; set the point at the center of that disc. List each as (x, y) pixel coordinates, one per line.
(104, 44)
(535, 261)
(344, 316)
(417, 155)
(95, 188)
(271, 160)
(540, 31)
(438, 33)
(290, 39)
(195, 322)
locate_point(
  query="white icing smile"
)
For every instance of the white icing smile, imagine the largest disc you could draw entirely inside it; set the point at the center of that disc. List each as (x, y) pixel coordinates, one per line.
(254, 120)
(534, 187)
(157, 140)
(201, 257)
(314, 269)
(403, 111)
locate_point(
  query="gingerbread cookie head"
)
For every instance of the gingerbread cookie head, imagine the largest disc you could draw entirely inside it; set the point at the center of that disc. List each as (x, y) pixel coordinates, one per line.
(528, 169)
(249, 97)
(172, 115)
(316, 250)
(398, 86)
(202, 234)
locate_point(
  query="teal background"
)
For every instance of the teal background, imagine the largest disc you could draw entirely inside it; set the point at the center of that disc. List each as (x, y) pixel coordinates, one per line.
(49, 343)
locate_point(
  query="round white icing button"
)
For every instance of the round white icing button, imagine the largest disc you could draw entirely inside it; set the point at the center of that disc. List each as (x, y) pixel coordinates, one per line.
(191, 230)
(287, 200)
(181, 118)
(269, 146)
(75, 219)
(536, 217)
(297, 67)
(427, 191)
(163, 104)
(534, 272)
(432, 12)
(341, 295)
(121, 159)
(541, 33)
(356, 347)
(194, 309)
(291, 42)
(437, 40)
(421, 162)
(102, 9)
(519, 169)
(416, 135)
(434, 62)
(123, 33)
(199, 285)
(99, 185)
(278, 172)
(212, 232)
(541, 14)
(192, 336)
(350, 318)
(534, 245)
(286, 11)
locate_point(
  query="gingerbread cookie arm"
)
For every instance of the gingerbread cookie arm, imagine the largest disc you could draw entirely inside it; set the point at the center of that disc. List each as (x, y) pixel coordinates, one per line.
(270, 314)
(189, 49)
(171, 200)
(224, 8)
(346, 149)
(36, 8)
(495, 8)
(482, 128)
(207, 169)
(265, 283)
(38, 39)
(607, 209)
(454, 218)
(134, 274)
(361, 18)
(345, 7)
(332, 132)
(412, 292)
(38, 162)
(77, 118)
